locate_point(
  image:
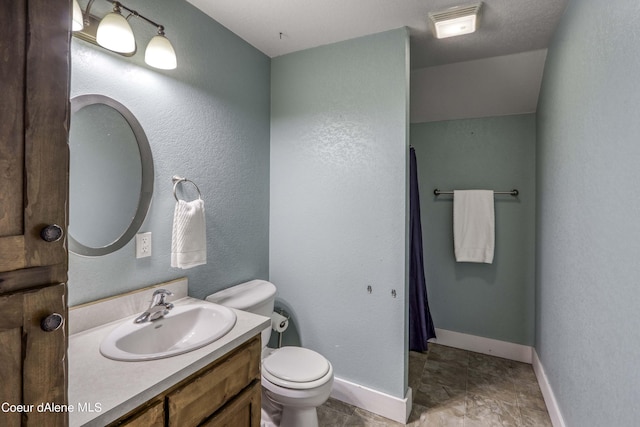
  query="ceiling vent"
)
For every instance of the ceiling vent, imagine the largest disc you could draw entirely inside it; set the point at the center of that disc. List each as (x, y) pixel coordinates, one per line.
(455, 21)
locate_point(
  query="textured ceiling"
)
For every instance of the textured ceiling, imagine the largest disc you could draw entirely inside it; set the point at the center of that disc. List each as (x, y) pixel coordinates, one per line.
(278, 27)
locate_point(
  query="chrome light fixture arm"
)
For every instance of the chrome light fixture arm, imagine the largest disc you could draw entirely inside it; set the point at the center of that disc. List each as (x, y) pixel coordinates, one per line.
(117, 4)
(87, 13)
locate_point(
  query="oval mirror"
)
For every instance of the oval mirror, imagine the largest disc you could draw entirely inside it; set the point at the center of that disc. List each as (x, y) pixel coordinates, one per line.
(110, 175)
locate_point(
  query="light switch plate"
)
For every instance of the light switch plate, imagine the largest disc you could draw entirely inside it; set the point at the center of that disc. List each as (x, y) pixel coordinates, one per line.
(143, 245)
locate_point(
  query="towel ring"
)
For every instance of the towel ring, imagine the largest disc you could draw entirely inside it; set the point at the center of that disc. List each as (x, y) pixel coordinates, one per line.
(177, 180)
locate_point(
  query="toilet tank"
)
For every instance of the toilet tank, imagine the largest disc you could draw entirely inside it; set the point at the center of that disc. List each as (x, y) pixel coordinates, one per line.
(255, 296)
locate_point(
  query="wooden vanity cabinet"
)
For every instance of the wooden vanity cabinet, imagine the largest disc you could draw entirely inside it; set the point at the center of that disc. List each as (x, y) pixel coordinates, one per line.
(225, 393)
(34, 169)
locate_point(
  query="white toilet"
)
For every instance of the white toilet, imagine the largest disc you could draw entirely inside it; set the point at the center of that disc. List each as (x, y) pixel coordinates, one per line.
(295, 380)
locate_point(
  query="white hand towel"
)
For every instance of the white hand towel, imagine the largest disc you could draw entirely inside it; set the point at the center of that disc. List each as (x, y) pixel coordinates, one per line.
(473, 225)
(189, 239)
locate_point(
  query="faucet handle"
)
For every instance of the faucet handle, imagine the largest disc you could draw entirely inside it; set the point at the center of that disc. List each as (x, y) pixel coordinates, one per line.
(159, 296)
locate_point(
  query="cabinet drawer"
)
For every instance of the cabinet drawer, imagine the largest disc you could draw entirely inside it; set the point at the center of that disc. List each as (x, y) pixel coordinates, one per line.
(153, 416)
(243, 411)
(197, 400)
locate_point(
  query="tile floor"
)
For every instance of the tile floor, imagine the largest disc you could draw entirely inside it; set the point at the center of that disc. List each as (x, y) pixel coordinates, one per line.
(457, 388)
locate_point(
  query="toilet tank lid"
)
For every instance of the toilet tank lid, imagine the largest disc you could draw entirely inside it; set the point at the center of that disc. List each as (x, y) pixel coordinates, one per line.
(245, 295)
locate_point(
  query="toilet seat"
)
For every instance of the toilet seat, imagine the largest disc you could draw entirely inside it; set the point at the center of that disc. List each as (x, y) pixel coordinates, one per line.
(296, 368)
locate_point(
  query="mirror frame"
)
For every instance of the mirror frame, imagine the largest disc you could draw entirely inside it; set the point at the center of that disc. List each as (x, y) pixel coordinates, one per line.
(146, 188)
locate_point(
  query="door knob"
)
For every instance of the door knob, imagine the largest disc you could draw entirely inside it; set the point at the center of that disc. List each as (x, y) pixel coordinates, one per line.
(51, 233)
(52, 322)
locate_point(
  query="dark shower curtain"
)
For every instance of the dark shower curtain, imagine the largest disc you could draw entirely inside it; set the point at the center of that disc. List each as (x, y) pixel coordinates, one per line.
(420, 323)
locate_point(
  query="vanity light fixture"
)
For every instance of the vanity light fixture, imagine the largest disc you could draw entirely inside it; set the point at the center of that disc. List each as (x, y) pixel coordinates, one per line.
(114, 33)
(455, 21)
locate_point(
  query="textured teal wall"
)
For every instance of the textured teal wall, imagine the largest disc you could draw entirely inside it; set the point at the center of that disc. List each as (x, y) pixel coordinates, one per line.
(497, 153)
(338, 202)
(588, 233)
(208, 120)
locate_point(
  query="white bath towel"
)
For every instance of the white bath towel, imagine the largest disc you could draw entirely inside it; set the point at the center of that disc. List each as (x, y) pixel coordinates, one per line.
(189, 238)
(473, 225)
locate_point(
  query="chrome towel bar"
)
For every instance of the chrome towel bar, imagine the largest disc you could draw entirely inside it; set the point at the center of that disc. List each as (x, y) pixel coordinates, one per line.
(513, 192)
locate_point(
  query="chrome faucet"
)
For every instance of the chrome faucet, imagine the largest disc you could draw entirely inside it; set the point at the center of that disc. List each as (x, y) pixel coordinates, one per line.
(158, 307)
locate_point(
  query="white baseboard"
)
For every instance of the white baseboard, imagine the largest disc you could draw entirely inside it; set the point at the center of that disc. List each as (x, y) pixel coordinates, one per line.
(507, 350)
(547, 392)
(372, 400)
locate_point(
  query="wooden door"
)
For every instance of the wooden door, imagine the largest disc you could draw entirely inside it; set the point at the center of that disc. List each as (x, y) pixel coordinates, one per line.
(34, 154)
(33, 362)
(34, 169)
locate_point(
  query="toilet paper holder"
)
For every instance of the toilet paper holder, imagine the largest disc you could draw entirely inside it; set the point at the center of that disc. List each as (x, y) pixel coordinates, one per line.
(280, 323)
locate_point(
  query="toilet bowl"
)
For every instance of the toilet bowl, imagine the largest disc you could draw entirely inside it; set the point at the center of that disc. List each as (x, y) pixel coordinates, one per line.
(298, 380)
(295, 380)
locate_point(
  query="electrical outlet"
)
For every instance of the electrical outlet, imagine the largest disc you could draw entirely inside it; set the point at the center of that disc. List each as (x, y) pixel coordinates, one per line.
(143, 245)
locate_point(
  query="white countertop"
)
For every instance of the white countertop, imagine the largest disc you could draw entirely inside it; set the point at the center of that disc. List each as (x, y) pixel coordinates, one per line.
(101, 390)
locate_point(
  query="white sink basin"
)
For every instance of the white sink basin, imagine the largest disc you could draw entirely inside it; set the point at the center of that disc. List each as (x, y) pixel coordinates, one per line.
(186, 328)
